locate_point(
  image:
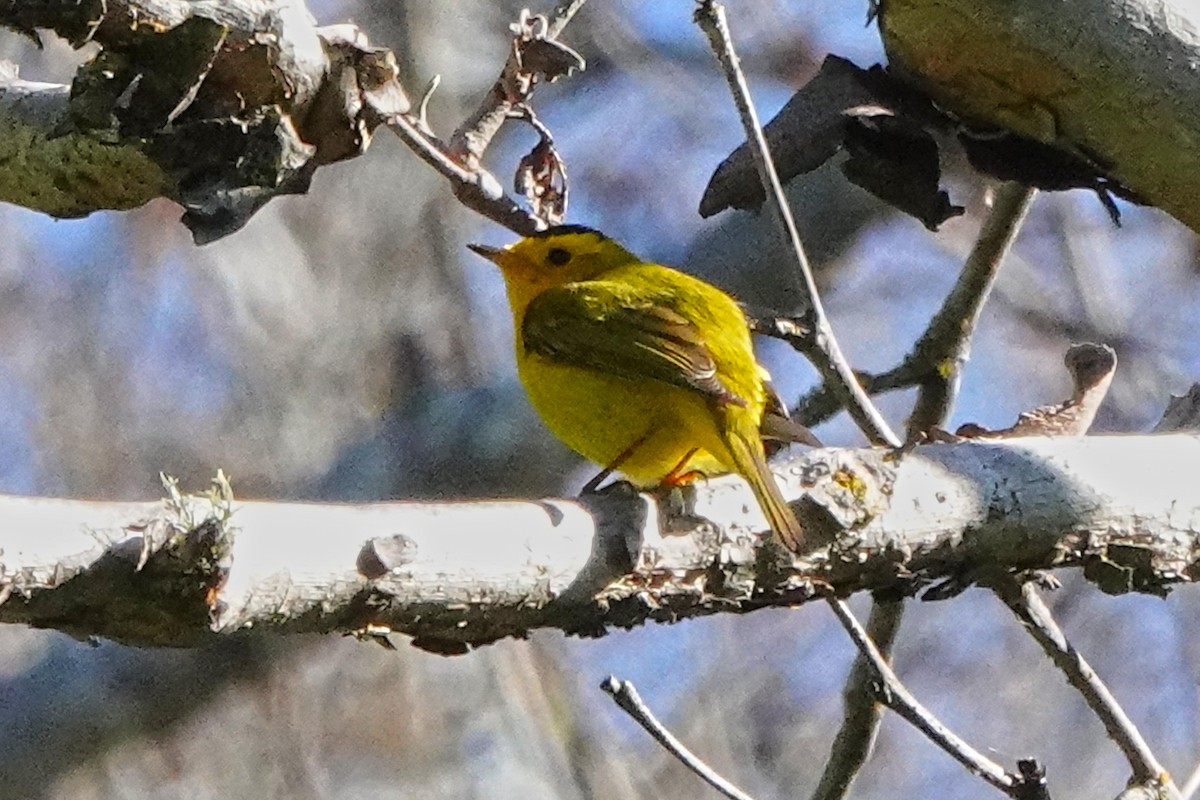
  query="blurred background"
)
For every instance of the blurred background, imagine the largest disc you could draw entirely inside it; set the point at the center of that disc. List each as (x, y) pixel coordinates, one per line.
(346, 346)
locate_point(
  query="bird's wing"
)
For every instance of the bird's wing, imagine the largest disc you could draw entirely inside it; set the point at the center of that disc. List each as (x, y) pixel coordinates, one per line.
(596, 325)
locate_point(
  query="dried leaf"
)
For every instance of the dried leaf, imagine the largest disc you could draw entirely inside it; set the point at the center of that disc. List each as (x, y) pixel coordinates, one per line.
(549, 58)
(806, 133)
(363, 91)
(886, 124)
(881, 123)
(1091, 367)
(538, 56)
(542, 178)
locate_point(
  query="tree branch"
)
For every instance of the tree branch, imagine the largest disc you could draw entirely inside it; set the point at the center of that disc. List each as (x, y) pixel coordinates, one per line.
(458, 575)
(824, 351)
(1024, 601)
(941, 351)
(475, 188)
(894, 694)
(244, 101)
(861, 711)
(515, 84)
(628, 700)
(936, 359)
(229, 121)
(535, 55)
(1111, 82)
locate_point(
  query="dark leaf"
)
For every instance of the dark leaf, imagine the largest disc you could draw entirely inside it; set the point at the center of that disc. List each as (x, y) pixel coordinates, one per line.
(1011, 157)
(139, 90)
(810, 129)
(806, 133)
(75, 22)
(172, 65)
(897, 161)
(225, 170)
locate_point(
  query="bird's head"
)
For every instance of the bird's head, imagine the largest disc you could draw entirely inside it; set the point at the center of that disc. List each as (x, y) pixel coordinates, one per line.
(558, 255)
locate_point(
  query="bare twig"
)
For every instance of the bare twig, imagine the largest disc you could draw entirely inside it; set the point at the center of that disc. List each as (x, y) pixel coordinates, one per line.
(896, 696)
(561, 15)
(937, 358)
(626, 697)
(1024, 601)
(943, 349)
(460, 160)
(514, 85)
(710, 16)
(948, 335)
(477, 189)
(861, 712)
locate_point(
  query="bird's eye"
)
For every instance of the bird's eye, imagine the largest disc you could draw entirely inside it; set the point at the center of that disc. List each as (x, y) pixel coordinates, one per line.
(558, 256)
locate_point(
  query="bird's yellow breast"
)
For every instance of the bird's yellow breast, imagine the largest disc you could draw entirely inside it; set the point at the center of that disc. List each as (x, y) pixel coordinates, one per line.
(602, 416)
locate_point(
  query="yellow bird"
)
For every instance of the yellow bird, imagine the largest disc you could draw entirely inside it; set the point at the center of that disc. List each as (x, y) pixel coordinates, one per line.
(642, 368)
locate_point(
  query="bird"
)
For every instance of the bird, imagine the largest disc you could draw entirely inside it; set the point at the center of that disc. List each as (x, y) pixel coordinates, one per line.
(641, 368)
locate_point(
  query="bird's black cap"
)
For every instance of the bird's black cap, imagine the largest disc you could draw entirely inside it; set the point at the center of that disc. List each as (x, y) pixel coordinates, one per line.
(558, 230)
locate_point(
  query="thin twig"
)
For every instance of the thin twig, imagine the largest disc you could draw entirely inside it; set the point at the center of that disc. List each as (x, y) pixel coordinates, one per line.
(511, 88)
(896, 696)
(460, 160)
(626, 697)
(861, 710)
(944, 347)
(477, 189)
(942, 350)
(710, 16)
(937, 358)
(561, 15)
(1024, 601)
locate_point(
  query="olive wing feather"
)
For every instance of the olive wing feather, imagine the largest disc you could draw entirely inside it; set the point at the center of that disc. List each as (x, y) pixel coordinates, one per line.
(591, 325)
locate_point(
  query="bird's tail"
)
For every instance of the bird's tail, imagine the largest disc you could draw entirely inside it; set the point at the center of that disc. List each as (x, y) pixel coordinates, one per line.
(751, 463)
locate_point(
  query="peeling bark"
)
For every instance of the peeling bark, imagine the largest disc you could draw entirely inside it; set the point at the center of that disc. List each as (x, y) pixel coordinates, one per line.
(217, 106)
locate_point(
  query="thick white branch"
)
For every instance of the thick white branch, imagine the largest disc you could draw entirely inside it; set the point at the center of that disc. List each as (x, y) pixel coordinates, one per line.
(454, 575)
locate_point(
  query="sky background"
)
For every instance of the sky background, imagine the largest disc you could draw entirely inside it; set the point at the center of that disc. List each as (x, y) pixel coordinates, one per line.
(345, 345)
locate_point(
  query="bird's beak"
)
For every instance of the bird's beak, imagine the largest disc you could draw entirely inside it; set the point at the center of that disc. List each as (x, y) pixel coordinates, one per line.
(493, 254)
